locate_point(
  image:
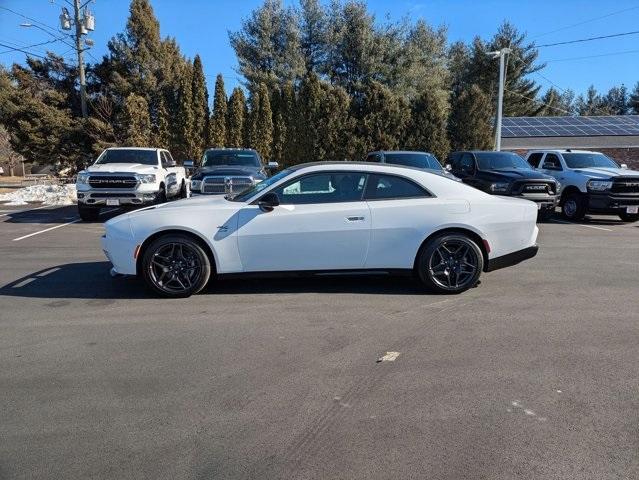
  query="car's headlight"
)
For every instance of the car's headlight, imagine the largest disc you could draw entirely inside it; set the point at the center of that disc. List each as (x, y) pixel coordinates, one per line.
(196, 184)
(599, 185)
(82, 178)
(499, 187)
(146, 178)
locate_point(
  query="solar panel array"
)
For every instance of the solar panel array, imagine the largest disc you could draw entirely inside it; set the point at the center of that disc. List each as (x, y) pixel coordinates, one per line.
(521, 127)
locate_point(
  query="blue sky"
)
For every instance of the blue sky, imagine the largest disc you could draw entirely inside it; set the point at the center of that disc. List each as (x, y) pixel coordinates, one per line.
(200, 26)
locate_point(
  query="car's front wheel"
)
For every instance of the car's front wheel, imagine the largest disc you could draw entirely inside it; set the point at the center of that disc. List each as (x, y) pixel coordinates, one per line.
(574, 207)
(629, 217)
(175, 266)
(450, 263)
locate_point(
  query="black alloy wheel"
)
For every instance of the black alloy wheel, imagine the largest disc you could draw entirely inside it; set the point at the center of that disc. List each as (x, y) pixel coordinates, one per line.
(175, 266)
(574, 207)
(450, 263)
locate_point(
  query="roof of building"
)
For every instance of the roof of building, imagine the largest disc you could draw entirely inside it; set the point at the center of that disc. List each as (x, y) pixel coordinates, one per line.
(582, 126)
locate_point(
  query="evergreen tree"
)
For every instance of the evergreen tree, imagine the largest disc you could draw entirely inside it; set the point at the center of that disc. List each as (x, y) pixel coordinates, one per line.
(591, 103)
(261, 132)
(218, 119)
(292, 119)
(200, 106)
(185, 145)
(136, 121)
(313, 34)
(160, 131)
(427, 126)
(633, 100)
(236, 119)
(470, 122)
(279, 138)
(336, 126)
(616, 101)
(308, 131)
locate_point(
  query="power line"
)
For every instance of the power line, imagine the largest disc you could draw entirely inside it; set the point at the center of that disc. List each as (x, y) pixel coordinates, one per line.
(588, 39)
(610, 54)
(540, 102)
(32, 45)
(585, 21)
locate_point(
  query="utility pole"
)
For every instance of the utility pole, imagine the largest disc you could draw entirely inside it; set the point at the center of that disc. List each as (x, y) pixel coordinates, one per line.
(500, 98)
(83, 24)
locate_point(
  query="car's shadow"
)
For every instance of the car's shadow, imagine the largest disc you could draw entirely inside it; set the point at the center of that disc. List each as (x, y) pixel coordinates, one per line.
(91, 280)
(36, 215)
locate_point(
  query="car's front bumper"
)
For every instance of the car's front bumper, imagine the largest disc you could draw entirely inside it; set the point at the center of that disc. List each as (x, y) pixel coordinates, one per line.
(511, 259)
(101, 198)
(118, 245)
(544, 202)
(610, 203)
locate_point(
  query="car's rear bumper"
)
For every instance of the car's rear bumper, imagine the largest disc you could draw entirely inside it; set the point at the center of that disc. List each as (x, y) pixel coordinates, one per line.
(511, 259)
(609, 203)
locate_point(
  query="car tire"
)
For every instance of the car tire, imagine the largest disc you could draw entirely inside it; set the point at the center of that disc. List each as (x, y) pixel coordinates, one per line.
(629, 217)
(183, 192)
(161, 196)
(450, 263)
(574, 207)
(89, 214)
(175, 266)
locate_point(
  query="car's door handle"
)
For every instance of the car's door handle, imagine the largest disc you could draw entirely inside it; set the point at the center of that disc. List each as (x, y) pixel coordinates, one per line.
(355, 219)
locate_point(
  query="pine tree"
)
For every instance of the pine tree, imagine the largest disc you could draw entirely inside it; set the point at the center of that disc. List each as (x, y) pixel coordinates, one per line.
(427, 126)
(200, 106)
(136, 121)
(616, 101)
(558, 104)
(236, 119)
(279, 138)
(633, 100)
(185, 143)
(591, 104)
(160, 131)
(470, 123)
(218, 119)
(309, 145)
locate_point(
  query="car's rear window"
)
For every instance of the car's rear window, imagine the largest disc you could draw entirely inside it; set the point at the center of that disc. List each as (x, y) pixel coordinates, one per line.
(417, 160)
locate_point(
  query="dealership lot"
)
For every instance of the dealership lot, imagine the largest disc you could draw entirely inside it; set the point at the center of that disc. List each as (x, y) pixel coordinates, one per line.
(533, 374)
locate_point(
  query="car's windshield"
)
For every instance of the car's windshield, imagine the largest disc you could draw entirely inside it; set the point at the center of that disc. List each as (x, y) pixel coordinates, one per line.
(417, 160)
(215, 158)
(145, 157)
(501, 161)
(585, 160)
(258, 187)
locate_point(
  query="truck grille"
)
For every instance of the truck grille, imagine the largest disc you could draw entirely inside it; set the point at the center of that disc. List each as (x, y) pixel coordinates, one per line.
(625, 185)
(113, 181)
(533, 187)
(225, 185)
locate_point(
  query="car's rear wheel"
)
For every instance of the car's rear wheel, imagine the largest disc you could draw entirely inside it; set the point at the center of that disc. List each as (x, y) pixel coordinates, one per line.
(629, 217)
(175, 266)
(88, 214)
(574, 207)
(161, 195)
(450, 263)
(183, 191)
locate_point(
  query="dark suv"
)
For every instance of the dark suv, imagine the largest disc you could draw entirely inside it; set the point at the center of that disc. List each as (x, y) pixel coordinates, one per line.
(229, 171)
(506, 173)
(422, 160)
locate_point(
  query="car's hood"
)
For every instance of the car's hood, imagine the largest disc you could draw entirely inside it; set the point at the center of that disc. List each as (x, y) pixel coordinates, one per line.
(122, 168)
(516, 174)
(226, 170)
(602, 172)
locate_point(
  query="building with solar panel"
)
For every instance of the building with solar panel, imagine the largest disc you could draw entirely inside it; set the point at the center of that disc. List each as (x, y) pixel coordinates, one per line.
(615, 136)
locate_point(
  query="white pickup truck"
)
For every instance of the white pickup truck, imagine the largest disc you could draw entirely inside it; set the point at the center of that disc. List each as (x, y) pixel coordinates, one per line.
(590, 183)
(129, 176)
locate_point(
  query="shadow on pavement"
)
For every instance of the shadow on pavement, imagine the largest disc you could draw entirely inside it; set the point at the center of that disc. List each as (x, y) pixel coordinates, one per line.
(91, 280)
(53, 215)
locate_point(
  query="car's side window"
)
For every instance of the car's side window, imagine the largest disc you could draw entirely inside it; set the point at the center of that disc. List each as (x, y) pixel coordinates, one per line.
(534, 158)
(164, 159)
(551, 162)
(467, 164)
(374, 157)
(385, 187)
(325, 187)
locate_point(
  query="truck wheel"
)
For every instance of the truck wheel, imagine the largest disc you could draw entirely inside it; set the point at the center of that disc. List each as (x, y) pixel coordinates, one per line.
(574, 207)
(161, 196)
(183, 192)
(450, 263)
(88, 214)
(175, 266)
(629, 217)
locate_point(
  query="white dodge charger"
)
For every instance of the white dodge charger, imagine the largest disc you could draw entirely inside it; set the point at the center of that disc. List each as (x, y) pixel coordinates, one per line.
(322, 218)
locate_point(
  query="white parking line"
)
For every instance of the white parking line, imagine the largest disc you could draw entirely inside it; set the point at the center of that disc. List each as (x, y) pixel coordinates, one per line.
(57, 226)
(582, 225)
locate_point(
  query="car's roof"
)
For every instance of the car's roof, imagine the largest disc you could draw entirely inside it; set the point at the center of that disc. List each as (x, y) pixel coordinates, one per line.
(482, 151)
(218, 149)
(137, 148)
(561, 150)
(401, 152)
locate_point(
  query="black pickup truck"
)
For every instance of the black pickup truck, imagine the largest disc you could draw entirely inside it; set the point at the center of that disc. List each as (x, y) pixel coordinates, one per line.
(508, 174)
(229, 171)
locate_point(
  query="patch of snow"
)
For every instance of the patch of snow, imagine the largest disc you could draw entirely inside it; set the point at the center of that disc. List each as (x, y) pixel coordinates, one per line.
(47, 194)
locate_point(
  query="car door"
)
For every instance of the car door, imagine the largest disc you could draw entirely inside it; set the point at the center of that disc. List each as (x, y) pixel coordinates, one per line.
(467, 170)
(322, 223)
(403, 213)
(551, 165)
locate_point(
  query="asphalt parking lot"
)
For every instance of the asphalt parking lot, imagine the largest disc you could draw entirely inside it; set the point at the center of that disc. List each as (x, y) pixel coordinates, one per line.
(533, 374)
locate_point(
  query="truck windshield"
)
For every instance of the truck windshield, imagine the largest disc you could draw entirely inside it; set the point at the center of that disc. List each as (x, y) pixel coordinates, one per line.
(145, 157)
(585, 160)
(258, 187)
(417, 160)
(214, 158)
(501, 161)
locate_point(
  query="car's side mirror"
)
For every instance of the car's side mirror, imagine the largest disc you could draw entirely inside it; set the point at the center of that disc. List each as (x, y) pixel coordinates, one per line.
(272, 166)
(189, 166)
(268, 202)
(449, 167)
(624, 166)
